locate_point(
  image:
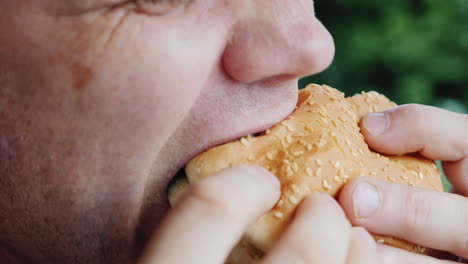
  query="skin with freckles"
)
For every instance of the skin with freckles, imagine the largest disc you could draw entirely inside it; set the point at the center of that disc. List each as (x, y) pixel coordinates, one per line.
(103, 101)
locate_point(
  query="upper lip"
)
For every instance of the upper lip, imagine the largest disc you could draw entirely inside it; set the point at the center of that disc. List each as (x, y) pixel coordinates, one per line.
(253, 129)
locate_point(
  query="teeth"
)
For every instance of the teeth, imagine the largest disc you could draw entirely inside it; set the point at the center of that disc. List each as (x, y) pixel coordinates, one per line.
(250, 136)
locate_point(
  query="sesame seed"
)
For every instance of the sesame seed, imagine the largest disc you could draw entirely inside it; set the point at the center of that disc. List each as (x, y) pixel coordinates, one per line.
(325, 185)
(319, 162)
(310, 103)
(341, 173)
(309, 128)
(337, 179)
(269, 156)
(411, 184)
(280, 203)
(334, 123)
(318, 172)
(414, 173)
(289, 128)
(295, 167)
(373, 173)
(380, 241)
(319, 144)
(295, 188)
(289, 139)
(391, 179)
(336, 164)
(267, 132)
(286, 161)
(278, 215)
(309, 147)
(421, 176)
(292, 117)
(293, 200)
(403, 177)
(250, 158)
(297, 153)
(309, 171)
(307, 189)
(244, 142)
(302, 142)
(322, 114)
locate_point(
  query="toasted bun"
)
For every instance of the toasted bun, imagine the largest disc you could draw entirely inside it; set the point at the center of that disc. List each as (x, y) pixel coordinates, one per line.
(317, 148)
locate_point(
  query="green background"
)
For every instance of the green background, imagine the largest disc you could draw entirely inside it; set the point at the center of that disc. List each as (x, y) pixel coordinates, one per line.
(412, 51)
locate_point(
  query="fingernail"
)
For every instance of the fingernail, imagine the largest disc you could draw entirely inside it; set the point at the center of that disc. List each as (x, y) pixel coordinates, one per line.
(376, 123)
(365, 200)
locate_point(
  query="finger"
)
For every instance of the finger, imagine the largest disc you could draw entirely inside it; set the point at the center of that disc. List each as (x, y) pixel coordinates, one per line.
(363, 249)
(391, 255)
(319, 233)
(457, 174)
(435, 133)
(212, 216)
(425, 217)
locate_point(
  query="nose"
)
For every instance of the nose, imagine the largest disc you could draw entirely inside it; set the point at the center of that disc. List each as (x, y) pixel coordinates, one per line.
(278, 39)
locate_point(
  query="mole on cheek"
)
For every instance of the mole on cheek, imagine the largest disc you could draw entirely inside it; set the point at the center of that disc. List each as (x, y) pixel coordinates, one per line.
(81, 76)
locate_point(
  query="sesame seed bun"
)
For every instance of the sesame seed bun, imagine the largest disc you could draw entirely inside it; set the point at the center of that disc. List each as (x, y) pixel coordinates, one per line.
(318, 148)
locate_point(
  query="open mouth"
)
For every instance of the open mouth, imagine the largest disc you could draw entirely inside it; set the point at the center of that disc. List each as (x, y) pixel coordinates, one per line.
(179, 182)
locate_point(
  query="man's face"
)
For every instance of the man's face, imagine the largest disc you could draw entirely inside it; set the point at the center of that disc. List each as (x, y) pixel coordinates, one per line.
(103, 101)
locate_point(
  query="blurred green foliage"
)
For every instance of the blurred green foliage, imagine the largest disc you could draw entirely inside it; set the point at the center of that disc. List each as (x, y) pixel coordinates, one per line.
(412, 51)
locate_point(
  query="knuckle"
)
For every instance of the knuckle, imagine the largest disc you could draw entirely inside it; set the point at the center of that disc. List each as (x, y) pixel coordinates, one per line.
(209, 195)
(415, 114)
(417, 214)
(319, 203)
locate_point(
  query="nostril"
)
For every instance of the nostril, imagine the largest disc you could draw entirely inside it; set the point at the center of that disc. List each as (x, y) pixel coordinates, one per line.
(267, 51)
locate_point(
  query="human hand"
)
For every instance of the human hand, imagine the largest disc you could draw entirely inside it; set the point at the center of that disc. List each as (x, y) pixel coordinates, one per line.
(211, 217)
(429, 218)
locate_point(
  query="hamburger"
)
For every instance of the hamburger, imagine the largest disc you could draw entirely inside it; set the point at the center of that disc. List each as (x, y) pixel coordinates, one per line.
(318, 148)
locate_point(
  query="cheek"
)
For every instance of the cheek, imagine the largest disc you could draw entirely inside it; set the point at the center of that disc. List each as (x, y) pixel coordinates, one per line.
(158, 73)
